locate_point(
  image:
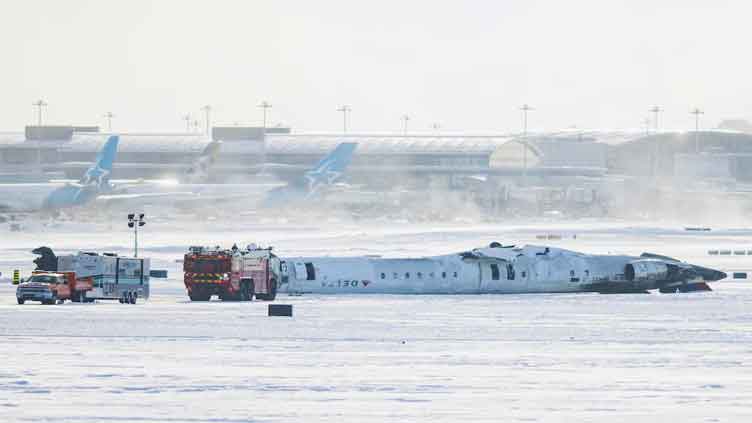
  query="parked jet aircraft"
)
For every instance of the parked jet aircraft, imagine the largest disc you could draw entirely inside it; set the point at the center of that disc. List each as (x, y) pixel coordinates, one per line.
(311, 183)
(496, 269)
(58, 195)
(325, 174)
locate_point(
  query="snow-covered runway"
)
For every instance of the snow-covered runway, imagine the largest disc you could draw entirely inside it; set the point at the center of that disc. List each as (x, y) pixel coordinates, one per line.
(583, 357)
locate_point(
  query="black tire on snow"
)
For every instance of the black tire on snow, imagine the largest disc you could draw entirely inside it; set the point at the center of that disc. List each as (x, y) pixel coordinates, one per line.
(270, 296)
(20, 300)
(198, 295)
(246, 290)
(243, 292)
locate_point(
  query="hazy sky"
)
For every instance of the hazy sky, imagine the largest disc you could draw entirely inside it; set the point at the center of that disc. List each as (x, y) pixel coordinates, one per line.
(467, 65)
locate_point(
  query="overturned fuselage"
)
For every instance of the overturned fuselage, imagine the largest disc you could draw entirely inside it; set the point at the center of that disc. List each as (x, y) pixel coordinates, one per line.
(496, 270)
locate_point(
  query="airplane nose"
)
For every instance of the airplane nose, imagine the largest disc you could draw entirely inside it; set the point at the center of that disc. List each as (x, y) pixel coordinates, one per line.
(710, 275)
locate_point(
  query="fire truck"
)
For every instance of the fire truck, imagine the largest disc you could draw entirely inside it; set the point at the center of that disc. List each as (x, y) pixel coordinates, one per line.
(231, 274)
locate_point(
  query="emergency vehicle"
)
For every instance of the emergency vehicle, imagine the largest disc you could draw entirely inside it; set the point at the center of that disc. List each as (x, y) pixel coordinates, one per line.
(88, 276)
(53, 287)
(231, 274)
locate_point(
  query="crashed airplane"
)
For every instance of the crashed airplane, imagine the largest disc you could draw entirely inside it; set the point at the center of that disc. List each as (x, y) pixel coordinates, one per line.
(496, 269)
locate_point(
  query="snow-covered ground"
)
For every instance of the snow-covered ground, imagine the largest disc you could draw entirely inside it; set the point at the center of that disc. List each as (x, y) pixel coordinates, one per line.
(381, 358)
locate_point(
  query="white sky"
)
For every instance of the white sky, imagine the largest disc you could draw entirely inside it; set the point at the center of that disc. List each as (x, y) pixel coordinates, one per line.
(467, 65)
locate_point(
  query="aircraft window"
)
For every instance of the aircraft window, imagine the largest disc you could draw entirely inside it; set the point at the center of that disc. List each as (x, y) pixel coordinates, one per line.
(420, 275)
(395, 275)
(510, 272)
(310, 272)
(455, 274)
(431, 275)
(524, 273)
(495, 271)
(383, 276)
(587, 273)
(407, 275)
(571, 273)
(443, 275)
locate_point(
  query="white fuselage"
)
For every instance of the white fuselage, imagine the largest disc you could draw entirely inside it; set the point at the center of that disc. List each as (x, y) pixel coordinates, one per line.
(492, 270)
(25, 197)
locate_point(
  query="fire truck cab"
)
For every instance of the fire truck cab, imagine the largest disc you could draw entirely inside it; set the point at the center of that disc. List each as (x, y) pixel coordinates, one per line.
(231, 274)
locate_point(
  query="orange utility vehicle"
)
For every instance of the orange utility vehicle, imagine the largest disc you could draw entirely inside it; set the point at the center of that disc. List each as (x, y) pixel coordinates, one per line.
(54, 287)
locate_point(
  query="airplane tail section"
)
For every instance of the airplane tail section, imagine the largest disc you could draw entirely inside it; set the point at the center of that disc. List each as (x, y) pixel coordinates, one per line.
(99, 173)
(199, 170)
(329, 169)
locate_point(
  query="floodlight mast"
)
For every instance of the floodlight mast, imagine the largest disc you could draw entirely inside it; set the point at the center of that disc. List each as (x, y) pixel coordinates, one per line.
(655, 110)
(134, 222)
(697, 112)
(207, 118)
(39, 104)
(345, 109)
(109, 116)
(525, 109)
(264, 106)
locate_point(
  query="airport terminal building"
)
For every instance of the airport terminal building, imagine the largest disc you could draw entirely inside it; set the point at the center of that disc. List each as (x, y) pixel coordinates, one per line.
(64, 151)
(548, 166)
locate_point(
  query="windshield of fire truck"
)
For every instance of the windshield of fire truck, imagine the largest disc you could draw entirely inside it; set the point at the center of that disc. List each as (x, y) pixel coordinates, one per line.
(45, 279)
(205, 266)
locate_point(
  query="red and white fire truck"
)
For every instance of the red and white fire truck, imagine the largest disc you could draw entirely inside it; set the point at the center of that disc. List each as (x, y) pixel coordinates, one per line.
(231, 274)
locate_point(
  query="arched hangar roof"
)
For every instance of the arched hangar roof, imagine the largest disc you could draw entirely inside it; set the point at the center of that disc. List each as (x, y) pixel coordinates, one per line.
(385, 144)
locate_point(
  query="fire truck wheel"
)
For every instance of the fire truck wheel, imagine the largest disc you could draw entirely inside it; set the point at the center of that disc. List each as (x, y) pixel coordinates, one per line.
(271, 295)
(197, 295)
(246, 290)
(20, 300)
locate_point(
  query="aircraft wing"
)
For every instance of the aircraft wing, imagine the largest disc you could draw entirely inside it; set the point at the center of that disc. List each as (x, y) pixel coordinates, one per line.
(133, 196)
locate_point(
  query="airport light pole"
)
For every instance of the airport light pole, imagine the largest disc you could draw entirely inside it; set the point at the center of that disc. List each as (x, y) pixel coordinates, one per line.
(697, 112)
(207, 118)
(646, 123)
(109, 116)
(525, 109)
(134, 222)
(405, 119)
(345, 109)
(39, 104)
(187, 119)
(655, 110)
(264, 106)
